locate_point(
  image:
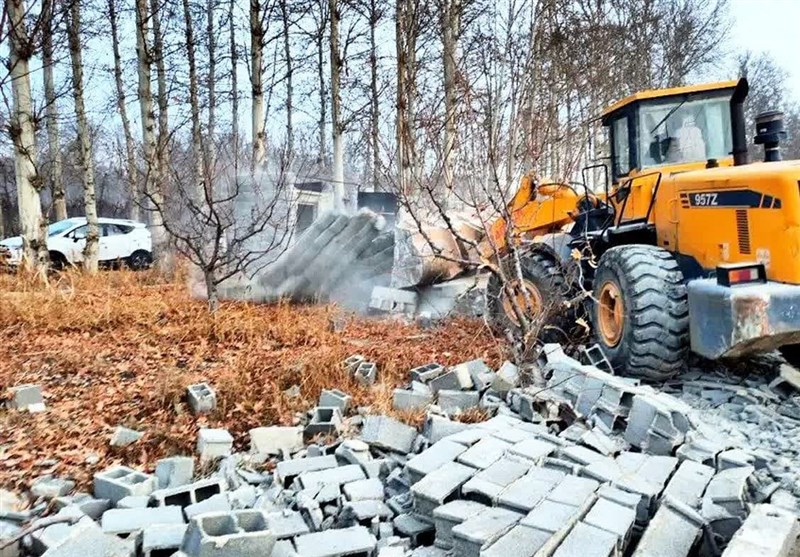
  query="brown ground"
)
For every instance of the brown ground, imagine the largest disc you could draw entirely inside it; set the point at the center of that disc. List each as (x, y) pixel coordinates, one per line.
(120, 348)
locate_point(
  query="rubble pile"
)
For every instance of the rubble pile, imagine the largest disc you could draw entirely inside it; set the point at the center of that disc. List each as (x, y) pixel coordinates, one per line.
(589, 464)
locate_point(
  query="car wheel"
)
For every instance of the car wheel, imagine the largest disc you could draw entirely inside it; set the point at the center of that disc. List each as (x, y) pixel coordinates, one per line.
(57, 261)
(140, 260)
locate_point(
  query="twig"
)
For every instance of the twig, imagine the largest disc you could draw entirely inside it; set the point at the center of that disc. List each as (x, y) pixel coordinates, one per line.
(38, 525)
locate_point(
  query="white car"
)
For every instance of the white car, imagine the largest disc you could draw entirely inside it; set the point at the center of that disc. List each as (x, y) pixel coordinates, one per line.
(121, 240)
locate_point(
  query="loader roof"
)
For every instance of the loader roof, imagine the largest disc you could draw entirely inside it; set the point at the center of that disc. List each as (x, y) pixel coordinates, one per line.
(669, 92)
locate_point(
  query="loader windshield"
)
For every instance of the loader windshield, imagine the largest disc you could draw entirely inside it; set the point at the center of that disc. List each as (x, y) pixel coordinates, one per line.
(683, 131)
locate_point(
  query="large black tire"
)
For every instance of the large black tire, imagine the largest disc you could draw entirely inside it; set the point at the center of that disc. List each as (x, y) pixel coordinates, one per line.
(57, 261)
(653, 341)
(542, 273)
(140, 260)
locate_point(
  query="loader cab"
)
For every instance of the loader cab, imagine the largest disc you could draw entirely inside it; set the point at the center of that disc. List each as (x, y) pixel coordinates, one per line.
(682, 128)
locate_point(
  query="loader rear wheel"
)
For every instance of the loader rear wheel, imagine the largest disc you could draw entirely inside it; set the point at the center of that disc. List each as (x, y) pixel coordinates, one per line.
(640, 315)
(541, 294)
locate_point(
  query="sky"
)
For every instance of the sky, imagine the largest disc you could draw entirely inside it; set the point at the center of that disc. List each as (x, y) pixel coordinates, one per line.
(770, 26)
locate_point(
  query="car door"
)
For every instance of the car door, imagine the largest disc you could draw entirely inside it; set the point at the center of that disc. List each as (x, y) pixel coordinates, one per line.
(113, 243)
(76, 244)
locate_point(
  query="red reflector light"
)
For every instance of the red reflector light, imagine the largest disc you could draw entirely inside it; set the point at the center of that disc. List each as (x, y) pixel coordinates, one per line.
(729, 275)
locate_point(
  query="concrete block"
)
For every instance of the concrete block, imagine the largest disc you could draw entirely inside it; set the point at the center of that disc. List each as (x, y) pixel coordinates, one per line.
(507, 378)
(88, 536)
(88, 505)
(361, 490)
(437, 428)
(466, 371)
(44, 539)
(699, 449)
(336, 476)
(123, 436)
(334, 398)
(162, 539)
(426, 373)
(174, 471)
(603, 443)
(619, 496)
(440, 486)
(387, 433)
(582, 455)
(556, 519)
(127, 521)
(587, 541)
(734, 458)
(482, 530)
(520, 541)
(590, 392)
(27, 397)
(657, 423)
(614, 518)
(7, 531)
(728, 489)
(411, 400)
(202, 398)
(275, 440)
(393, 300)
(337, 543)
(454, 402)
(768, 532)
(120, 481)
(673, 532)
(324, 421)
(234, 534)
(366, 373)
(484, 453)
(219, 503)
(447, 516)
(573, 490)
(366, 512)
(432, 458)
(487, 485)
(351, 363)
(446, 381)
(133, 502)
(689, 483)
(50, 487)
(469, 436)
(287, 470)
(413, 527)
(287, 524)
(353, 451)
(213, 444)
(188, 494)
(528, 491)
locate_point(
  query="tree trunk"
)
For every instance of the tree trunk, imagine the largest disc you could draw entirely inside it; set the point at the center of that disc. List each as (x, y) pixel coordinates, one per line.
(162, 154)
(194, 102)
(374, 116)
(91, 250)
(22, 131)
(211, 290)
(287, 53)
(451, 23)
(130, 151)
(234, 86)
(336, 101)
(319, 38)
(256, 83)
(53, 140)
(211, 86)
(406, 32)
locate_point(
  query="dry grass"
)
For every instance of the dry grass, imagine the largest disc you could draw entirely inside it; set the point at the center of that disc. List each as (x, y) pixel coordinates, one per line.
(120, 348)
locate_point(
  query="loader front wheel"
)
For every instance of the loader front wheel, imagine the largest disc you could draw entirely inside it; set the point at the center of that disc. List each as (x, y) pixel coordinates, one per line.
(539, 295)
(640, 314)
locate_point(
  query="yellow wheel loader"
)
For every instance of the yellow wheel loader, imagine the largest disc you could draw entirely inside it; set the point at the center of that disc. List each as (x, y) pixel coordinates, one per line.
(689, 246)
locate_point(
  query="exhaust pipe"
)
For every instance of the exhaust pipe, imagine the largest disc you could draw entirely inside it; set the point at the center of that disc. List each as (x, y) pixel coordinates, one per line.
(738, 131)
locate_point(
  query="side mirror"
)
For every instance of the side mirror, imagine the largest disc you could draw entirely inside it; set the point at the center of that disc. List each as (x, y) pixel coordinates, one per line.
(75, 239)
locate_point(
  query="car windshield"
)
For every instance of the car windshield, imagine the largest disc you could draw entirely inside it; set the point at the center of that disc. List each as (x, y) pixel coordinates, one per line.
(684, 131)
(58, 227)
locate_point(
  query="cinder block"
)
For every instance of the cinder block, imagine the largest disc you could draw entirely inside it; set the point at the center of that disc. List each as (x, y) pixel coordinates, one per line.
(274, 440)
(411, 400)
(673, 532)
(361, 490)
(202, 398)
(185, 495)
(507, 378)
(393, 300)
(728, 489)
(27, 397)
(487, 485)
(689, 483)
(366, 512)
(162, 539)
(336, 476)
(336, 543)
(366, 373)
(484, 453)
(481, 530)
(120, 481)
(534, 450)
(440, 486)
(387, 433)
(287, 524)
(50, 487)
(573, 490)
(449, 515)
(123, 436)
(219, 503)
(133, 502)
(520, 541)
(213, 444)
(527, 492)
(288, 470)
(769, 531)
(433, 458)
(458, 401)
(87, 536)
(413, 527)
(334, 398)
(174, 471)
(352, 362)
(554, 518)
(587, 541)
(657, 423)
(426, 373)
(614, 518)
(324, 421)
(235, 534)
(445, 381)
(127, 521)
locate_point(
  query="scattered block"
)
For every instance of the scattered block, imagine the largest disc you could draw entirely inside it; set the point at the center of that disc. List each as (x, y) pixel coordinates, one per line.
(213, 444)
(27, 397)
(202, 398)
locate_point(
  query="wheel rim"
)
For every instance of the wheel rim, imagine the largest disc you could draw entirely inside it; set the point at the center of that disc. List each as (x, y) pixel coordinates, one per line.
(611, 313)
(527, 298)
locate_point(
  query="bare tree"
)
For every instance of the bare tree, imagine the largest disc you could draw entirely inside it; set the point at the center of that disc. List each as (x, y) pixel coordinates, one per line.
(22, 132)
(158, 55)
(211, 81)
(197, 163)
(288, 59)
(131, 172)
(53, 141)
(337, 125)
(92, 248)
(257, 41)
(234, 54)
(407, 31)
(450, 15)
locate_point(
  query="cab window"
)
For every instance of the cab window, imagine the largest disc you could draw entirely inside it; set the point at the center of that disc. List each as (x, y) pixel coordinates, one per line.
(622, 149)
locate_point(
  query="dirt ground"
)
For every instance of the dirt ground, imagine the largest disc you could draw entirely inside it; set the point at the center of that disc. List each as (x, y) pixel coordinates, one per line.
(120, 349)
